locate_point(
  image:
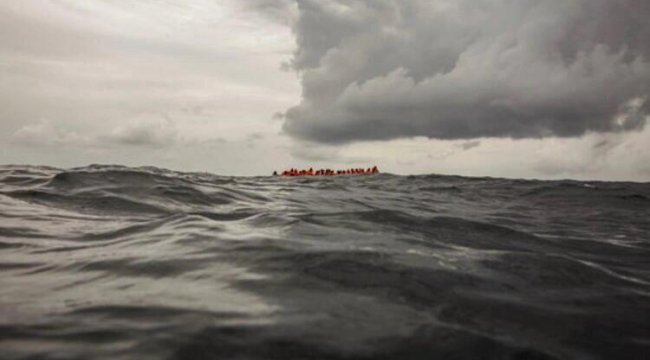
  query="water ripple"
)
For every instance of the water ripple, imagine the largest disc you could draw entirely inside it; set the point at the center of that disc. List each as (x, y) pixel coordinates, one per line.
(110, 262)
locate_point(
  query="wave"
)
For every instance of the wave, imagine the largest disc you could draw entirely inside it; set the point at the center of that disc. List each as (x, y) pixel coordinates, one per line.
(107, 261)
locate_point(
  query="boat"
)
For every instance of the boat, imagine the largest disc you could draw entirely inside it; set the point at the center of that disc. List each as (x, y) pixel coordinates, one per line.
(328, 172)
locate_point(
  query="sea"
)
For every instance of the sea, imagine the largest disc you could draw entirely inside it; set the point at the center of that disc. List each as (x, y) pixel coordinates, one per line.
(114, 262)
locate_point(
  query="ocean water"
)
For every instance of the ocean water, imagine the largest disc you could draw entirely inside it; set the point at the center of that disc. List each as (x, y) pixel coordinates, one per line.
(110, 262)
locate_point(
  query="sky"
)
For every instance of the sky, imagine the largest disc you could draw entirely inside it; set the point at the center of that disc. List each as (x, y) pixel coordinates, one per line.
(528, 89)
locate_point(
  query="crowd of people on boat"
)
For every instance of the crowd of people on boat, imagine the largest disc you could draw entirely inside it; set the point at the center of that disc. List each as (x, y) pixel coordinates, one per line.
(328, 172)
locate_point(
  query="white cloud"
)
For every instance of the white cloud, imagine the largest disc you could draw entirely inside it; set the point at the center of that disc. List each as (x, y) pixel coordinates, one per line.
(109, 73)
(45, 133)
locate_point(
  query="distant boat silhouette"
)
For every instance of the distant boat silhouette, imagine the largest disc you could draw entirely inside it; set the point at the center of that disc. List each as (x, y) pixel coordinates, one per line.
(328, 172)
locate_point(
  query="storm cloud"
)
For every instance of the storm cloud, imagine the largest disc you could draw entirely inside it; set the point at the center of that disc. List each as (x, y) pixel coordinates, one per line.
(466, 69)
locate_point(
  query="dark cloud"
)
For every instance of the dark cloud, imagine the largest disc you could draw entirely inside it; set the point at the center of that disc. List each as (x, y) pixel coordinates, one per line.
(282, 11)
(464, 69)
(470, 145)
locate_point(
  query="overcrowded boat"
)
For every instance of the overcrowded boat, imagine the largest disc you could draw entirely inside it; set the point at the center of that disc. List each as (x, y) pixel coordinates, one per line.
(328, 172)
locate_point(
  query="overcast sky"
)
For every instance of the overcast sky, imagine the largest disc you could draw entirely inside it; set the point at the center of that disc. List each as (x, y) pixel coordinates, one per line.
(526, 88)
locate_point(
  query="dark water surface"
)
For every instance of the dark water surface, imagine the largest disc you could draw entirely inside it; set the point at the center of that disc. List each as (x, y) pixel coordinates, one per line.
(109, 262)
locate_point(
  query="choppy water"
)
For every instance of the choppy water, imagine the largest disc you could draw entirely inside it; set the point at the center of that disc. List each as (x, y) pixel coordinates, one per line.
(108, 262)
